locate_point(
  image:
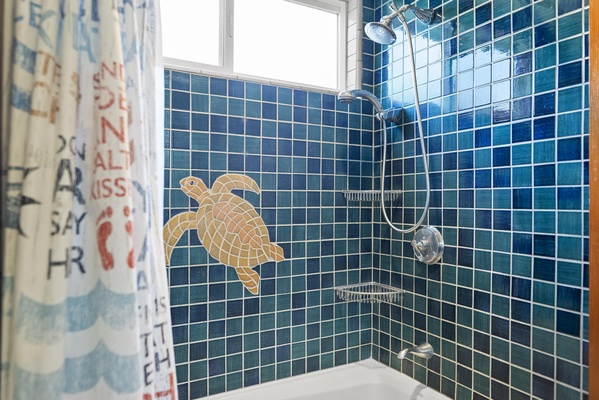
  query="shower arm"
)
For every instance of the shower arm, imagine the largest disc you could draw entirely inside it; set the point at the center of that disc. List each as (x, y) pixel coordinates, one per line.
(419, 123)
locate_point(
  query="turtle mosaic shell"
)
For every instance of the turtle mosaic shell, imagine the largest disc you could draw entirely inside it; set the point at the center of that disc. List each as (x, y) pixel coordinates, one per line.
(227, 225)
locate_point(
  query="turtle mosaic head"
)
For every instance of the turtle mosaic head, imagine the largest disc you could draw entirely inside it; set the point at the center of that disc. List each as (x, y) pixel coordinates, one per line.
(193, 187)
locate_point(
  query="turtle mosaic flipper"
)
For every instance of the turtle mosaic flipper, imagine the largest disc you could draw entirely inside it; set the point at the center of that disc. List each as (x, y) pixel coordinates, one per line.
(174, 229)
(249, 278)
(227, 225)
(226, 183)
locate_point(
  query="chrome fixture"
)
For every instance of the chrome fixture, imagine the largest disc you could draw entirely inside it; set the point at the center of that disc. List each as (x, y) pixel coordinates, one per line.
(423, 350)
(382, 32)
(349, 96)
(428, 245)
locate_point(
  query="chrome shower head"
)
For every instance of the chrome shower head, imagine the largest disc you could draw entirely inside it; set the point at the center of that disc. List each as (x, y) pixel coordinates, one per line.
(349, 96)
(426, 15)
(381, 32)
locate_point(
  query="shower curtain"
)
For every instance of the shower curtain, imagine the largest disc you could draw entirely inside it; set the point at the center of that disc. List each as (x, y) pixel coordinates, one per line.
(85, 309)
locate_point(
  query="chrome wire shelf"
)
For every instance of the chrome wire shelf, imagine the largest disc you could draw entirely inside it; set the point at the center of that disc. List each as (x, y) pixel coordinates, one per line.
(370, 195)
(371, 292)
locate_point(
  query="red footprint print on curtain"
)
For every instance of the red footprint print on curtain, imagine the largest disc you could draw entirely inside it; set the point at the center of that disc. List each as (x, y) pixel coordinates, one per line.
(104, 230)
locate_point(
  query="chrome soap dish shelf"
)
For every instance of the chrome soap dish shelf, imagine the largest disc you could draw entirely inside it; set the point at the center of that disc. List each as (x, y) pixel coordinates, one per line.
(370, 195)
(371, 292)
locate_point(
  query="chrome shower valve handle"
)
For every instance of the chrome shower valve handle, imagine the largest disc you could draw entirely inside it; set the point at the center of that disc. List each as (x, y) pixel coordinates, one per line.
(428, 245)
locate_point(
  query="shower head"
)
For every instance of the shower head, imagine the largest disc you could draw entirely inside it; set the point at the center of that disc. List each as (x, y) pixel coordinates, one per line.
(349, 96)
(382, 32)
(426, 15)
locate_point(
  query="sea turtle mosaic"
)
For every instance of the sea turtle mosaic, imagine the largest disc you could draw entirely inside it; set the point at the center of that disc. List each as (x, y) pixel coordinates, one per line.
(228, 226)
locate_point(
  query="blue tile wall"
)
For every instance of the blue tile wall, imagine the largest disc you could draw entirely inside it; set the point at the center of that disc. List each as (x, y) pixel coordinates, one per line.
(504, 91)
(302, 148)
(504, 95)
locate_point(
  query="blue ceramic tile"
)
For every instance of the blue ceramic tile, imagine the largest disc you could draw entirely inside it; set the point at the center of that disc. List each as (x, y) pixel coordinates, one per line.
(502, 27)
(570, 74)
(566, 6)
(545, 34)
(180, 80)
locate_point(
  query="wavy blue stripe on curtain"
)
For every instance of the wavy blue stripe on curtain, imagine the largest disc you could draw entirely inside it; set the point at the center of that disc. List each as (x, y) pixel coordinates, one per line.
(48, 323)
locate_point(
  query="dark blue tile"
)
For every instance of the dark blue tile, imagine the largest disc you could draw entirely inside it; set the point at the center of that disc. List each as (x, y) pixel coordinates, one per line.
(567, 372)
(180, 80)
(502, 26)
(522, 198)
(544, 245)
(569, 198)
(465, 5)
(482, 137)
(216, 366)
(544, 175)
(568, 74)
(544, 104)
(502, 220)
(501, 284)
(500, 327)
(269, 93)
(180, 140)
(484, 219)
(180, 120)
(500, 370)
(199, 122)
(502, 177)
(218, 86)
(236, 89)
(543, 364)
(521, 333)
(180, 100)
(568, 149)
(521, 311)
(198, 313)
(269, 111)
(545, 34)
(218, 123)
(522, 243)
(521, 132)
(483, 14)
(569, 298)
(544, 128)
(483, 34)
(329, 102)
(251, 306)
(521, 288)
(565, 6)
(300, 97)
(542, 387)
(567, 323)
(522, 19)
(501, 156)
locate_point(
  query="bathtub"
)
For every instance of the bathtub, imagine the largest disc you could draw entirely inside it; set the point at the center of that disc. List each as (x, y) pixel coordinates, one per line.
(363, 380)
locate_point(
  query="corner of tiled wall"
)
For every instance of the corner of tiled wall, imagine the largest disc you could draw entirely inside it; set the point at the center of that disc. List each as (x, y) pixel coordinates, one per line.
(504, 91)
(302, 148)
(504, 88)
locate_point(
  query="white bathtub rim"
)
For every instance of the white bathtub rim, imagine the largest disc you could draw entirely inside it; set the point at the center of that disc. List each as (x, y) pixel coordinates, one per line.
(367, 371)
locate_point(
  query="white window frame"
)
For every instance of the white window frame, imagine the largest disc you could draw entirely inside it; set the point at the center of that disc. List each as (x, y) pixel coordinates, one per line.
(349, 51)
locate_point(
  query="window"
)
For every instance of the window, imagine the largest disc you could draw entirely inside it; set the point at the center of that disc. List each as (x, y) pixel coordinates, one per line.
(298, 41)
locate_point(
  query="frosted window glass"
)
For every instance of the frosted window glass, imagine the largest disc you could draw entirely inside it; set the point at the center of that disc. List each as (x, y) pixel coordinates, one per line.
(191, 30)
(286, 41)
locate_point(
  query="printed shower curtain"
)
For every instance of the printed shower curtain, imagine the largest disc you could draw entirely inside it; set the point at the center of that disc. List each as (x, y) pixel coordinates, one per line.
(85, 310)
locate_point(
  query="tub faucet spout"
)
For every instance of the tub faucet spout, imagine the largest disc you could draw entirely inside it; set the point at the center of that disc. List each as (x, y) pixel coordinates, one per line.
(423, 350)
